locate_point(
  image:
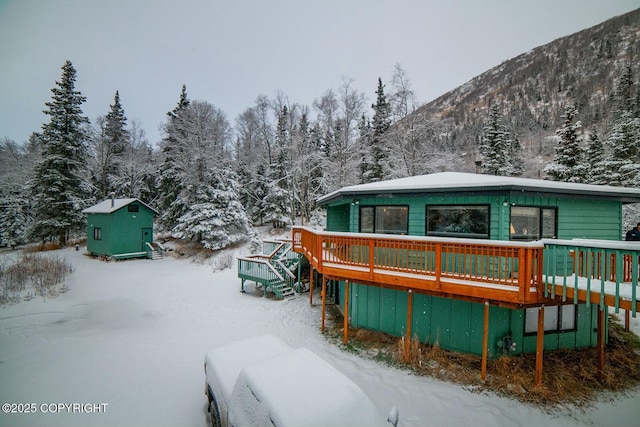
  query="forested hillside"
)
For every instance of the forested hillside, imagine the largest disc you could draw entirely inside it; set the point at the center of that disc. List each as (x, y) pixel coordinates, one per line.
(532, 90)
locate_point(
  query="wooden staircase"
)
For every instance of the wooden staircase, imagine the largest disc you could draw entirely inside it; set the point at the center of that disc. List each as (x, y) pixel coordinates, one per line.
(274, 269)
(154, 250)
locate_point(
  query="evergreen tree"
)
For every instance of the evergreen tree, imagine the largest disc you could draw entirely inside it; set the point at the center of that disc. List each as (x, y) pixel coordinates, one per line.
(278, 201)
(364, 142)
(594, 158)
(516, 160)
(624, 93)
(16, 166)
(378, 168)
(260, 190)
(567, 164)
(169, 184)
(108, 144)
(494, 145)
(60, 189)
(622, 165)
(216, 218)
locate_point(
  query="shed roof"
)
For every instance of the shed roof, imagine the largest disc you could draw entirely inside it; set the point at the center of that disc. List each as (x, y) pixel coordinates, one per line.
(112, 205)
(469, 182)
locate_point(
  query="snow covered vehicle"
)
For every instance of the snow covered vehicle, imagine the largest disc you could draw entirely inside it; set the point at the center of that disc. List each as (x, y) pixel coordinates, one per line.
(260, 381)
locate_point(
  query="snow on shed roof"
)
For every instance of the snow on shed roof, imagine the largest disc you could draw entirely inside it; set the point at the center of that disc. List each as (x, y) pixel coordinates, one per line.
(112, 205)
(458, 181)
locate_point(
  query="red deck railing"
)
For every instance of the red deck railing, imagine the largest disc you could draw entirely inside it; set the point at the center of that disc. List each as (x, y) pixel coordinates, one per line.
(492, 270)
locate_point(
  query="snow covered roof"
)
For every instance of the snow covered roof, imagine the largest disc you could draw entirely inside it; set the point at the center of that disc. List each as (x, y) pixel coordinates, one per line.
(112, 205)
(464, 182)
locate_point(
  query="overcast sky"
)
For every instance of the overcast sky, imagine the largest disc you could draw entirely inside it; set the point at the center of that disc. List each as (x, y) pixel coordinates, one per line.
(228, 52)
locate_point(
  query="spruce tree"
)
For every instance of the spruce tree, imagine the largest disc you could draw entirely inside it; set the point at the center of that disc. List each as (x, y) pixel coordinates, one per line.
(594, 159)
(169, 184)
(364, 153)
(622, 165)
(567, 161)
(378, 168)
(494, 145)
(516, 160)
(108, 144)
(277, 203)
(215, 217)
(60, 189)
(16, 166)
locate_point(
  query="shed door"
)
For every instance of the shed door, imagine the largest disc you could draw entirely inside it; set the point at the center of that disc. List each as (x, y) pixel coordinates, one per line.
(147, 237)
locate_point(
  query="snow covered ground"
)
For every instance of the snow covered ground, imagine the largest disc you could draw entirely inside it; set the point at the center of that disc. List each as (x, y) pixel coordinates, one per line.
(127, 343)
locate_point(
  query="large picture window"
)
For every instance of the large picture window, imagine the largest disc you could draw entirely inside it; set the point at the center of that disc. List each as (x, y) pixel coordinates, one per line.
(556, 319)
(532, 223)
(384, 219)
(468, 221)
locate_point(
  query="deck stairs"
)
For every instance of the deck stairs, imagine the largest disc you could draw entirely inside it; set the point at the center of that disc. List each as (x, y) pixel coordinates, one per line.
(275, 269)
(154, 250)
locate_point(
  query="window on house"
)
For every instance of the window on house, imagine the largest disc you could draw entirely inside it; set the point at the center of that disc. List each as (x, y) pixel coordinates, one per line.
(469, 221)
(133, 208)
(384, 219)
(532, 223)
(556, 319)
(97, 233)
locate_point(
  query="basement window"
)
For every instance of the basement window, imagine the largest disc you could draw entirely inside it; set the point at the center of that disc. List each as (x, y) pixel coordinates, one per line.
(384, 219)
(464, 221)
(556, 319)
(97, 233)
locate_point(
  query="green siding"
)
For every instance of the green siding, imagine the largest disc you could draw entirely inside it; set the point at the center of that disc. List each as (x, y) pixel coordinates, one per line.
(589, 219)
(458, 325)
(122, 231)
(584, 336)
(103, 221)
(338, 218)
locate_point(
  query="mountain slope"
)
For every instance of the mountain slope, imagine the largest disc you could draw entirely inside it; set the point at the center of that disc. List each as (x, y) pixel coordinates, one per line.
(532, 90)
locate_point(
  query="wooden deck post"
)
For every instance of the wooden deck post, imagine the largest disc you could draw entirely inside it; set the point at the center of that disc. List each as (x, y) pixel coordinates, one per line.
(345, 338)
(311, 276)
(407, 342)
(485, 342)
(323, 292)
(600, 343)
(539, 346)
(627, 320)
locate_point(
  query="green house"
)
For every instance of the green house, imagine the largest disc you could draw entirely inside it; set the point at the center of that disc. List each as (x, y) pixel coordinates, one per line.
(120, 228)
(473, 206)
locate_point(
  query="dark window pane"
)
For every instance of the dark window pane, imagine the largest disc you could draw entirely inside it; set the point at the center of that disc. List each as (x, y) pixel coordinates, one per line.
(525, 223)
(366, 220)
(458, 221)
(549, 223)
(384, 219)
(392, 219)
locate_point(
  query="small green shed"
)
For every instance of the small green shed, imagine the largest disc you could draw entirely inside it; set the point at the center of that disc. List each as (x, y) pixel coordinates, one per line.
(120, 228)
